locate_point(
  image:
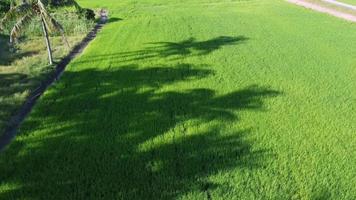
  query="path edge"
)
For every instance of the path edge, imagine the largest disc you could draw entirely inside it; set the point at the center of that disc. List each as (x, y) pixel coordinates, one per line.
(325, 10)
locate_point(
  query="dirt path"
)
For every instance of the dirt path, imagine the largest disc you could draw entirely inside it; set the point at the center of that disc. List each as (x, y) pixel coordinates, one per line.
(322, 9)
(345, 5)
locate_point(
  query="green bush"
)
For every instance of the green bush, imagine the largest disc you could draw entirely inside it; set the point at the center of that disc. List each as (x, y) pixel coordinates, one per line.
(58, 3)
(86, 13)
(4, 7)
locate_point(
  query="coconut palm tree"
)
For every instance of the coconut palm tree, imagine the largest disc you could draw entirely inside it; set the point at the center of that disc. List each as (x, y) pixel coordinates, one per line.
(28, 11)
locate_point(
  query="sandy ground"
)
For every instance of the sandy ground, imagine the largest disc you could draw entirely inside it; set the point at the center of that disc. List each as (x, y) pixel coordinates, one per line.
(345, 5)
(322, 9)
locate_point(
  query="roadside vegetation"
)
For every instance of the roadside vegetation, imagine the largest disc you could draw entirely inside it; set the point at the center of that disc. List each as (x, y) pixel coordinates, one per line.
(23, 65)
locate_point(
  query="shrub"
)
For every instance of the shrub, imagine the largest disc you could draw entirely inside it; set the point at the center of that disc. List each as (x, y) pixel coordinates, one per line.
(4, 7)
(58, 3)
(86, 13)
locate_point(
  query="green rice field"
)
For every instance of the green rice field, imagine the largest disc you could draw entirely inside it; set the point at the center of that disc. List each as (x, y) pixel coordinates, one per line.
(198, 99)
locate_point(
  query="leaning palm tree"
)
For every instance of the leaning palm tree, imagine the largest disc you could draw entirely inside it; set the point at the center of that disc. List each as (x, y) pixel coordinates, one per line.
(28, 11)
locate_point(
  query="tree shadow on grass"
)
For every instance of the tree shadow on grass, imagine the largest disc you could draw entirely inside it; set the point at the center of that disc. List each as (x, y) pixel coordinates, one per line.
(191, 46)
(118, 134)
(171, 50)
(7, 57)
(114, 19)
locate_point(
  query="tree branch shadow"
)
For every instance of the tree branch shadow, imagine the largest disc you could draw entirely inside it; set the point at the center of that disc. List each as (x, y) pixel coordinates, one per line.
(7, 57)
(115, 134)
(171, 50)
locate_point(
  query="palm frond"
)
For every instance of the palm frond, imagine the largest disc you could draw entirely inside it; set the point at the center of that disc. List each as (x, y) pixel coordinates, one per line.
(51, 24)
(20, 26)
(15, 13)
(55, 26)
(41, 6)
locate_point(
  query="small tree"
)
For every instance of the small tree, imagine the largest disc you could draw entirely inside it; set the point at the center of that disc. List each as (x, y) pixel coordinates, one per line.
(26, 12)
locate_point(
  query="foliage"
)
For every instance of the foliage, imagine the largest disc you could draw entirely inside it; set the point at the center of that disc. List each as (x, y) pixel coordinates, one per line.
(59, 3)
(4, 7)
(72, 24)
(86, 14)
(24, 14)
(23, 70)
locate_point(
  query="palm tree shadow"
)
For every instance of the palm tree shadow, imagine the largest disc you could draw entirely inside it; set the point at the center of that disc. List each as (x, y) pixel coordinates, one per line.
(147, 144)
(171, 50)
(7, 57)
(193, 47)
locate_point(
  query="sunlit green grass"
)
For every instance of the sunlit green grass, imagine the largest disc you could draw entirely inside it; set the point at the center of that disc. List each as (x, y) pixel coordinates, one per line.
(196, 100)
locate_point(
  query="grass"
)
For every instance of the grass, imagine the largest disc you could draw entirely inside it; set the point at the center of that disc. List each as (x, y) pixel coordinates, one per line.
(198, 99)
(24, 70)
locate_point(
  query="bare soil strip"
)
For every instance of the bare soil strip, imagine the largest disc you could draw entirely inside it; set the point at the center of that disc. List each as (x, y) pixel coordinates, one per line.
(17, 119)
(345, 5)
(322, 9)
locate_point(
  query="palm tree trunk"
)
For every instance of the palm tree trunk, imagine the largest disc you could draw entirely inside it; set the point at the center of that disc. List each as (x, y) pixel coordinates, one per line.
(49, 50)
